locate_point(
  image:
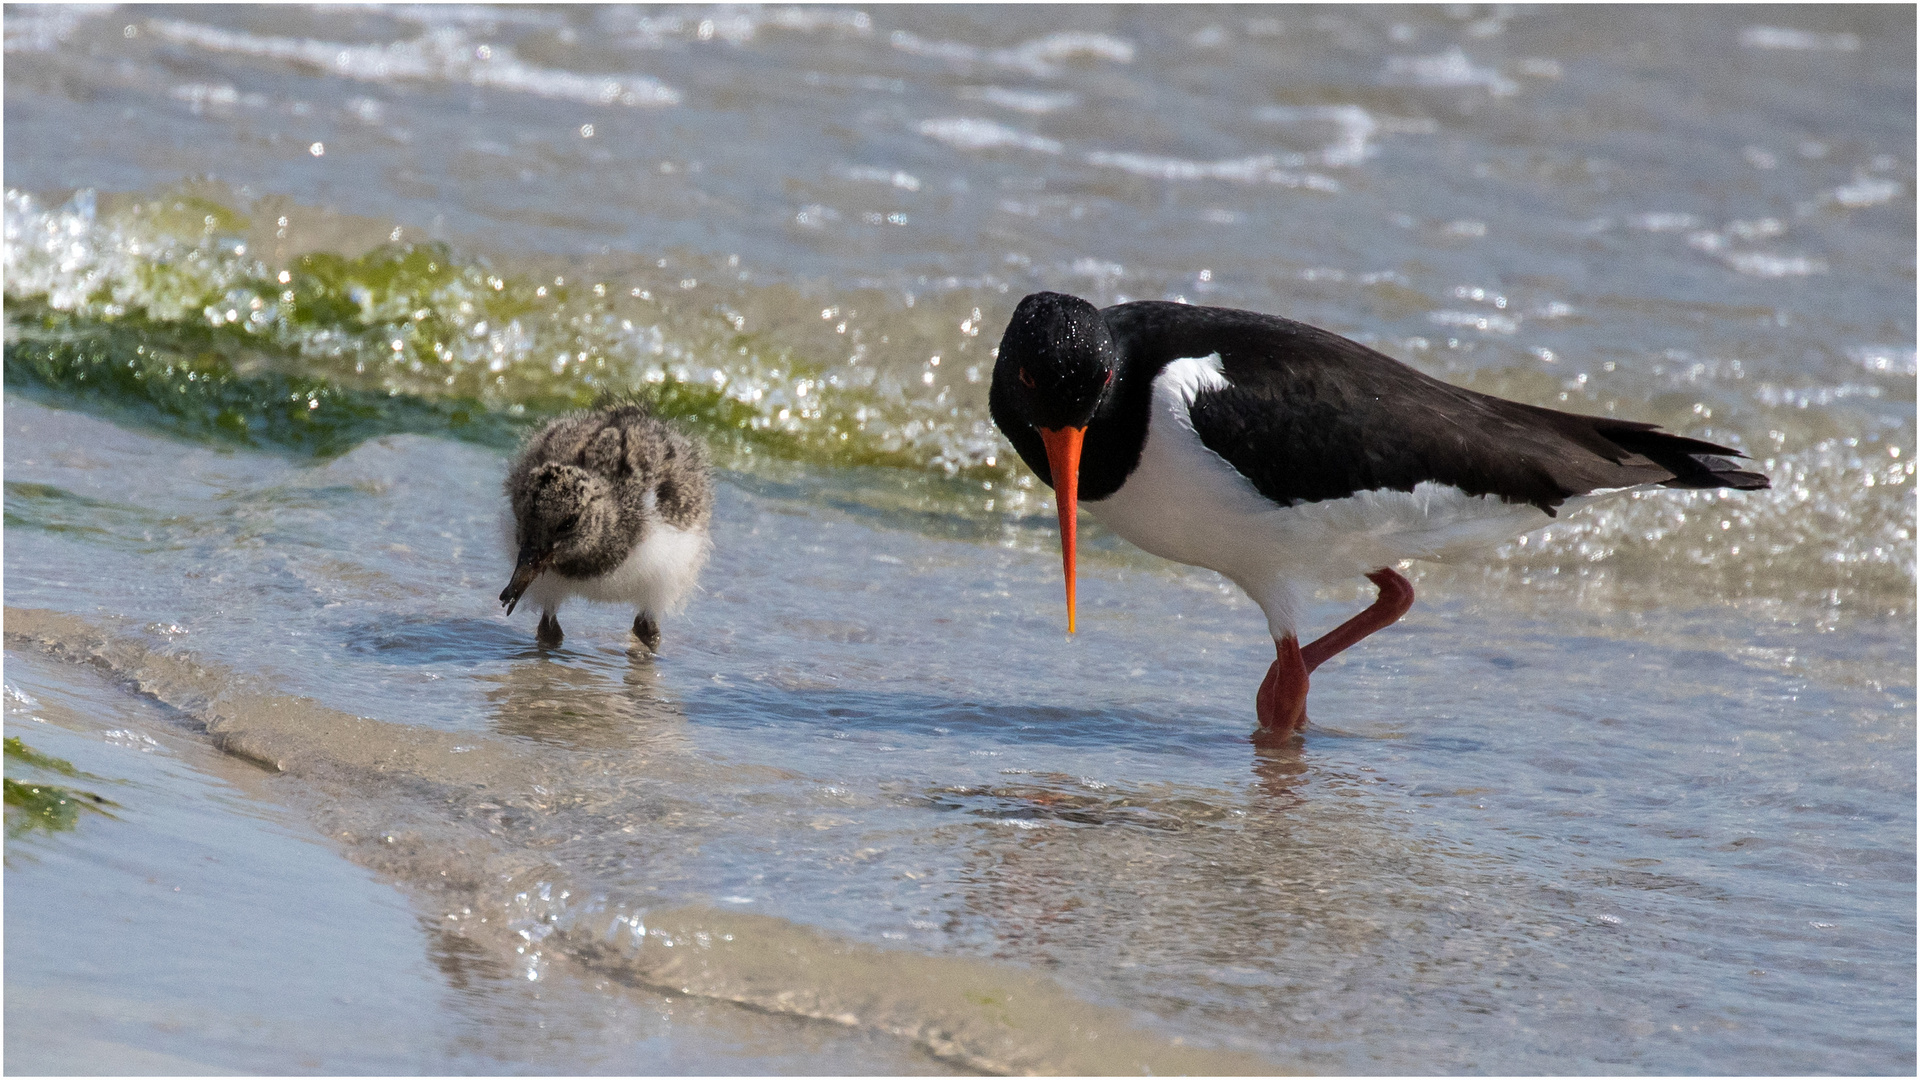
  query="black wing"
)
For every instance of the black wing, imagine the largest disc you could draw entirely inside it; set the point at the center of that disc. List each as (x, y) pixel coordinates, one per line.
(1308, 415)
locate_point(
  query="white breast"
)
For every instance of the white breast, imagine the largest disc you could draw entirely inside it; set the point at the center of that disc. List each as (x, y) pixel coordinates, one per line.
(656, 577)
(1186, 503)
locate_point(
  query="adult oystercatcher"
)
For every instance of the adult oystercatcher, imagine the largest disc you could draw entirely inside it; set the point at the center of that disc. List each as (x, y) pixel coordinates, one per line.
(1284, 456)
(610, 504)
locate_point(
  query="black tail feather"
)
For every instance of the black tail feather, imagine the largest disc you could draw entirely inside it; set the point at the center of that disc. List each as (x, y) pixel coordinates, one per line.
(1718, 472)
(1694, 463)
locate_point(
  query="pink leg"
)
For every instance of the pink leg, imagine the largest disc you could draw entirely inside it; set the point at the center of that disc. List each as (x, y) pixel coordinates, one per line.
(1282, 703)
(1396, 596)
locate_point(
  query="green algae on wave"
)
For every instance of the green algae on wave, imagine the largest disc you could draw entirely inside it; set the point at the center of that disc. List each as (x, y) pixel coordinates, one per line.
(205, 383)
(158, 311)
(33, 805)
(151, 376)
(18, 750)
(43, 806)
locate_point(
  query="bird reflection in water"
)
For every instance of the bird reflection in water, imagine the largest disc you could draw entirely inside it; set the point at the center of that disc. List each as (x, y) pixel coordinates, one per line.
(1279, 773)
(552, 697)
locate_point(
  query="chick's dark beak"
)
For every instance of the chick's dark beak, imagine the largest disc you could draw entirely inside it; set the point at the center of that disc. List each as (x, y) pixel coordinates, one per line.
(524, 571)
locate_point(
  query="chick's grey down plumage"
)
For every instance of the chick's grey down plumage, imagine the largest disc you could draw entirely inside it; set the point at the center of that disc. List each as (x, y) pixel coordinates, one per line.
(610, 504)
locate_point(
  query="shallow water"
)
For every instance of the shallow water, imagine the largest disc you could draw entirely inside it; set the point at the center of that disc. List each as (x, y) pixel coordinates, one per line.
(1626, 797)
(203, 929)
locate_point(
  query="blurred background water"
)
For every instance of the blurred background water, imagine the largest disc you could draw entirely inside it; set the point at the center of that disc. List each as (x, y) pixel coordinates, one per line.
(284, 285)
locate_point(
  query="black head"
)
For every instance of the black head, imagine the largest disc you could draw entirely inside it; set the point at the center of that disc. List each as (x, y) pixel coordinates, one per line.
(1056, 361)
(1056, 365)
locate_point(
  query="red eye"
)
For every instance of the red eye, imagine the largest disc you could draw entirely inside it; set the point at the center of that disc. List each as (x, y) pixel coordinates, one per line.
(1026, 378)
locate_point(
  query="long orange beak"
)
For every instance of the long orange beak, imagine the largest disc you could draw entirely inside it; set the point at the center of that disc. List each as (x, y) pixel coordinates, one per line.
(1063, 460)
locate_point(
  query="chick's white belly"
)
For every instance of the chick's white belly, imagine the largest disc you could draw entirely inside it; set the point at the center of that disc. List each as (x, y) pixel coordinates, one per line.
(656, 577)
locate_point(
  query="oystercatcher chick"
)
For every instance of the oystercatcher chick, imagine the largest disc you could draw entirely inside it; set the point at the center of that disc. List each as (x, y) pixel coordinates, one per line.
(1284, 456)
(612, 505)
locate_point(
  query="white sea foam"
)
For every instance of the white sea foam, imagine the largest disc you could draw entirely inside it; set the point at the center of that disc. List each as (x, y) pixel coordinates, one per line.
(45, 27)
(137, 740)
(484, 18)
(735, 26)
(1356, 126)
(202, 97)
(972, 133)
(443, 54)
(1264, 169)
(901, 179)
(1663, 221)
(1448, 69)
(1041, 57)
(1033, 102)
(1477, 320)
(1886, 359)
(1249, 170)
(1866, 191)
(1070, 44)
(1806, 397)
(1098, 268)
(1356, 129)
(1781, 37)
(1756, 228)
(1768, 265)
